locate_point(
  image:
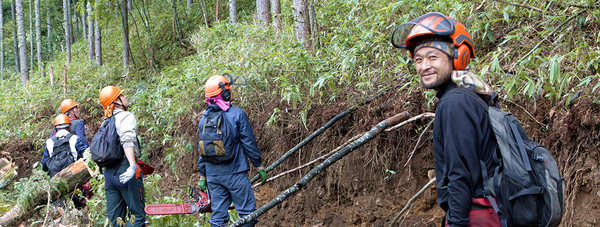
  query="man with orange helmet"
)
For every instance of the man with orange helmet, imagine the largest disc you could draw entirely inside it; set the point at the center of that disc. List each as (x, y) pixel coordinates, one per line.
(123, 182)
(71, 109)
(63, 148)
(463, 139)
(227, 180)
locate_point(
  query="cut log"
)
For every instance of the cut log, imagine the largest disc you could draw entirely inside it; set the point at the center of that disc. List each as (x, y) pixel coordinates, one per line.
(3, 162)
(8, 172)
(75, 175)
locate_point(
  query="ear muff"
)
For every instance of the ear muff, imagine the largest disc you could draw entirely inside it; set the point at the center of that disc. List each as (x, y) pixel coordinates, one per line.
(462, 56)
(225, 93)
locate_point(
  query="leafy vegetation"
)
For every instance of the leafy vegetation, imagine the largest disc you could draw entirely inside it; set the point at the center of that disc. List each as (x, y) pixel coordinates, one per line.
(523, 52)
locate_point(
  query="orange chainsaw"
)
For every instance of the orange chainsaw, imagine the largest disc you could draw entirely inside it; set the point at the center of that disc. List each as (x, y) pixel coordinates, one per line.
(200, 205)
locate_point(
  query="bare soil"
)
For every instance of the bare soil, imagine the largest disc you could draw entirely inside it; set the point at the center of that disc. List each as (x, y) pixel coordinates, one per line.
(354, 191)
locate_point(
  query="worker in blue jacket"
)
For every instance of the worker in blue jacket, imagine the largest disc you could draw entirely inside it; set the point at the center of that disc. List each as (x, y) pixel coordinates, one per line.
(226, 174)
(71, 109)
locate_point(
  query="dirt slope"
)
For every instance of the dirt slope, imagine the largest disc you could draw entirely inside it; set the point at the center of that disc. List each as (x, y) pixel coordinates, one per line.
(354, 191)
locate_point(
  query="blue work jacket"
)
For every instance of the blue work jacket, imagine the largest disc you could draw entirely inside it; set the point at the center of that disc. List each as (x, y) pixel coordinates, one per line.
(240, 141)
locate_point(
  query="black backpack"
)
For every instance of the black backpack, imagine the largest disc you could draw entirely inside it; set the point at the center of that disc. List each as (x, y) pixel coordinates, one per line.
(527, 184)
(106, 146)
(61, 155)
(211, 140)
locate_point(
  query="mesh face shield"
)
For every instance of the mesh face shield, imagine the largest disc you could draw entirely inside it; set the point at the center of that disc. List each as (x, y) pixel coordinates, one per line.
(429, 24)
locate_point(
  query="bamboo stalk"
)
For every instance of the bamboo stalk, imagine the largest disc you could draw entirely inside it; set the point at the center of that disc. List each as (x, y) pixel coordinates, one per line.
(321, 167)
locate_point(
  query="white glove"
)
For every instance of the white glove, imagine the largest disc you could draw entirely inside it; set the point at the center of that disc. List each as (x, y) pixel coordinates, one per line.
(128, 174)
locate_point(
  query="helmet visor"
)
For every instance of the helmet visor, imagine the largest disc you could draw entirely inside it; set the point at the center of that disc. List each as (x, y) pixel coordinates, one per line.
(429, 24)
(236, 79)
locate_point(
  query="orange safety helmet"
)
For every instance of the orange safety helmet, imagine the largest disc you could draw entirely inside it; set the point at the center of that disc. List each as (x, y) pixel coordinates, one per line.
(408, 34)
(67, 104)
(61, 119)
(215, 85)
(108, 95)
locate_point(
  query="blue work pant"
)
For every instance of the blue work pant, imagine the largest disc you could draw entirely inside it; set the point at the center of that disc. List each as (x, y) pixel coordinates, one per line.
(225, 189)
(132, 198)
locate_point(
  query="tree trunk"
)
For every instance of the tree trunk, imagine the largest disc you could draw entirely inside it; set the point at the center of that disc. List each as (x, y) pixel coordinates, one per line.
(90, 32)
(75, 175)
(38, 34)
(67, 30)
(125, 24)
(146, 22)
(2, 43)
(51, 72)
(313, 25)
(233, 11)
(70, 22)
(22, 42)
(276, 11)
(262, 13)
(30, 37)
(189, 5)
(49, 30)
(217, 11)
(202, 6)
(176, 21)
(84, 23)
(15, 39)
(97, 39)
(302, 22)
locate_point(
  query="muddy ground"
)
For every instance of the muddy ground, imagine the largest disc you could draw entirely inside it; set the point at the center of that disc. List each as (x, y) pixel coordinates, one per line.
(354, 191)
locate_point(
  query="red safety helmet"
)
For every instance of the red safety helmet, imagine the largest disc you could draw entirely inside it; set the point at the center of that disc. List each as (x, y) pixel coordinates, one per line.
(407, 36)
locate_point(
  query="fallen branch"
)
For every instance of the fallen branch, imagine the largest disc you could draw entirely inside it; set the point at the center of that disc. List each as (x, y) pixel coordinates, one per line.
(412, 200)
(417, 145)
(520, 5)
(321, 130)
(423, 115)
(321, 167)
(311, 162)
(75, 174)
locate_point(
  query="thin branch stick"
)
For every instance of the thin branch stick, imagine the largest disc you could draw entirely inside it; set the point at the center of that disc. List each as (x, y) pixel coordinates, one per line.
(412, 200)
(407, 212)
(424, 115)
(520, 5)
(47, 204)
(531, 116)
(313, 161)
(417, 145)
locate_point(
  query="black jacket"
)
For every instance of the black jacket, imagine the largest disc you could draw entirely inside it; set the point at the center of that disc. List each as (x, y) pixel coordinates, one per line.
(462, 136)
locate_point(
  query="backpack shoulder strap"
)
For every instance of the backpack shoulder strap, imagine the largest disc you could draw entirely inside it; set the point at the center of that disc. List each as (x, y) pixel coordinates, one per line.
(470, 93)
